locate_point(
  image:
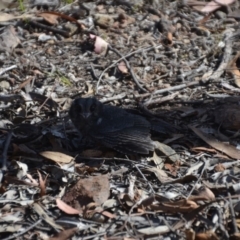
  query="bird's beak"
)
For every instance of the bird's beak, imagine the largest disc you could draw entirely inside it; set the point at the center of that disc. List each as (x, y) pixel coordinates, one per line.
(86, 115)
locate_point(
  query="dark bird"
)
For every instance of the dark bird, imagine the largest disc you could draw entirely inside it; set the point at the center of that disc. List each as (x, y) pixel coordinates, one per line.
(112, 126)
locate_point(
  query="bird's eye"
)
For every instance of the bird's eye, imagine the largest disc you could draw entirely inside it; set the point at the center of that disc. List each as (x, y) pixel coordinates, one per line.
(93, 107)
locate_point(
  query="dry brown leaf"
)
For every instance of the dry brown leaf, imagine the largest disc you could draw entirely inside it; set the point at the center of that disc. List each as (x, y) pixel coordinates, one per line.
(159, 162)
(197, 5)
(173, 168)
(229, 150)
(66, 208)
(216, 4)
(48, 17)
(204, 149)
(181, 206)
(8, 39)
(41, 212)
(127, 199)
(108, 214)
(169, 38)
(225, 2)
(235, 236)
(167, 151)
(81, 169)
(160, 174)
(92, 189)
(57, 156)
(219, 168)
(211, 7)
(209, 235)
(190, 234)
(4, 17)
(42, 184)
(206, 193)
(32, 179)
(122, 67)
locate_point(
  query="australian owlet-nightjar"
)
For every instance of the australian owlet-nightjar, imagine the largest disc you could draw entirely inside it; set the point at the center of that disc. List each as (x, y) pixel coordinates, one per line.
(112, 126)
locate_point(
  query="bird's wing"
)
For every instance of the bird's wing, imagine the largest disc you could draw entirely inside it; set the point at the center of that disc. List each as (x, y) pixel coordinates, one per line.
(116, 119)
(129, 141)
(123, 132)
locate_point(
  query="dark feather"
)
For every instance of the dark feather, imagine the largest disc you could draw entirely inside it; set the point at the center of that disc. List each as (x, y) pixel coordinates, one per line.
(114, 127)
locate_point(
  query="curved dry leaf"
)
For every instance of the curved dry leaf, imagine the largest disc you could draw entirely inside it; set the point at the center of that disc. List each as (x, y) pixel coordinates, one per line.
(190, 234)
(225, 2)
(209, 235)
(57, 156)
(44, 215)
(181, 206)
(229, 150)
(4, 17)
(122, 67)
(9, 39)
(216, 4)
(169, 38)
(159, 162)
(160, 174)
(207, 193)
(93, 189)
(108, 214)
(211, 7)
(66, 208)
(42, 185)
(167, 151)
(50, 18)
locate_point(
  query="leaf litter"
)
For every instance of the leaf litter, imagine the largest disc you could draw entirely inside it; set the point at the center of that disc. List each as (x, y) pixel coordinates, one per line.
(167, 60)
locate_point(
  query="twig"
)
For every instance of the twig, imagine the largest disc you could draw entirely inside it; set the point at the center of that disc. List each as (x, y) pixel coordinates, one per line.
(5, 149)
(215, 77)
(230, 87)
(93, 72)
(49, 97)
(203, 169)
(51, 29)
(235, 227)
(15, 236)
(120, 59)
(178, 87)
(164, 90)
(129, 68)
(7, 69)
(150, 186)
(160, 100)
(117, 97)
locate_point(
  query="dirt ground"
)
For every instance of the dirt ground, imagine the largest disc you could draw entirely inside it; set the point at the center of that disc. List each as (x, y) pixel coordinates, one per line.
(176, 61)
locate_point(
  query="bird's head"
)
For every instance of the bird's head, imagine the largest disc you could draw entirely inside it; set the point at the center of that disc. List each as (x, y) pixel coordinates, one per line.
(85, 109)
